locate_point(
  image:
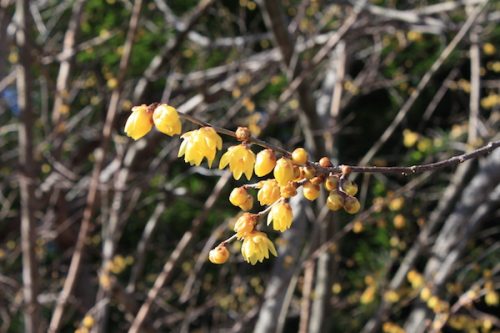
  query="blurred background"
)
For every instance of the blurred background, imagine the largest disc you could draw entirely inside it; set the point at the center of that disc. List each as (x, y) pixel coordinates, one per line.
(105, 234)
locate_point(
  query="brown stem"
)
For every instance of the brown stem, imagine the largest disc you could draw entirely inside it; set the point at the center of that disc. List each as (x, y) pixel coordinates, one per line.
(452, 161)
(27, 174)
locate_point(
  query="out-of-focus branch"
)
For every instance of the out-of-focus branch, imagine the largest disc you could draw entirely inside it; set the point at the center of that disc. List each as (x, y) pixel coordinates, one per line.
(27, 170)
(405, 171)
(168, 268)
(65, 68)
(423, 83)
(76, 260)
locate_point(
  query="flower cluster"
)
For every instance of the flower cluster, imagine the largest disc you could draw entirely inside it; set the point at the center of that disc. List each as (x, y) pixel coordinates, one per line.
(289, 173)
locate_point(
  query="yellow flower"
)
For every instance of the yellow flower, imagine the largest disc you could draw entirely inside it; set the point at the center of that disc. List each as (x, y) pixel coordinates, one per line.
(88, 321)
(241, 198)
(489, 49)
(240, 159)
(350, 187)
(283, 172)
(265, 162)
(335, 201)
(351, 205)
(166, 120)
(219, 255)
(311, 191)
(245, 225)
(139, 123)
(281, 215)
(410, 138)
(299, 156)
(199, 144)
(491, 298)
(256, 246)
(269, 192)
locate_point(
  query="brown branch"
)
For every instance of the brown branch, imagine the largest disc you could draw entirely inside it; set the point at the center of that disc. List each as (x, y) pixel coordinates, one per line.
(168, 268)
(27, 173)
(65, 68)
(86, 224)
(455, 160)
(425, 167)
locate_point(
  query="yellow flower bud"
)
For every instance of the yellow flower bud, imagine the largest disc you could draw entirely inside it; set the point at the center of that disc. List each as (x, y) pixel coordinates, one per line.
(399, 221)
(88, 321)
(245, 225)
(335, 201)
(299, 156)
(281, 215)
(425, 294)
(166, 120)
(350, 187)
(265, 162)
(241, 160)
(269, 192)
(351, 205)
(219, 255)
(242, 134)
(491, 298)
(331, 183)
(283, 172)
(238, 196)
(311, 191)
(256, 247)
(139, 123)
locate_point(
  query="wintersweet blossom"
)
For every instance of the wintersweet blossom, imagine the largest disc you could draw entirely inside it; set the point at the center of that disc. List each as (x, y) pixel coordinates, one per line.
(139, 123)
(265, 162)
(269, 192)
(240, 159)
(199, 144)
(166, 120)
(219, 255)
(245, 225)
(256, 247)
(281, 215)
(283, 172)
(241, 198)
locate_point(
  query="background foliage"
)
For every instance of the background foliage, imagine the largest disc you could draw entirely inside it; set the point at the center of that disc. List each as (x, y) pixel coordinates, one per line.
(385, 269)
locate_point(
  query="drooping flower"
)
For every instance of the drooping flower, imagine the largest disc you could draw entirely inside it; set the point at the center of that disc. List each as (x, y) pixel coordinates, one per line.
(245, 225)
(256, 247)
(283, 172)
(351, 205)
(311, 191)
(219, 255)
(281, 215)
(265, 162)
(269, 192)
(240, 159)
(335, 201)
(139, 123)
(166, 120)
(241, 198)
(199, 144)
